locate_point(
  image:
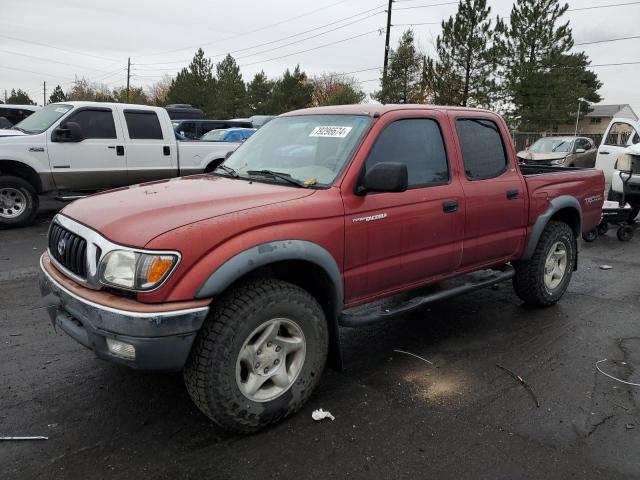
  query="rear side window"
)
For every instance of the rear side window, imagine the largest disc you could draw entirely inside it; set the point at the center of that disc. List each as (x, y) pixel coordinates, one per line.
(483, 152)
(419, 145)
(143, 125)
(95, 123)
(619, 134)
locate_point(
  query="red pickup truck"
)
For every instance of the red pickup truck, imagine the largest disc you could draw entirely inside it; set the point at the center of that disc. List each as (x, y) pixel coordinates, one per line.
(241, 278)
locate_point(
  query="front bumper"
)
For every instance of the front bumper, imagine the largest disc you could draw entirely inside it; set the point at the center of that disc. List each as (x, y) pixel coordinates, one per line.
(162, 335)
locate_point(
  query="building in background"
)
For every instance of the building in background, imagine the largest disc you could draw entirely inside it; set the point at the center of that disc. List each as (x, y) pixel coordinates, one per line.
(596, 121)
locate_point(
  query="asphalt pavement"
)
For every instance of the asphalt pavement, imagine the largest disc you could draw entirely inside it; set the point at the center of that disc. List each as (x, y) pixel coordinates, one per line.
(396, 416)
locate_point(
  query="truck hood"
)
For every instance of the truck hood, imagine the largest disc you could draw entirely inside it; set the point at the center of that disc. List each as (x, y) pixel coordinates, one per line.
(135, 215)
(6, 132)
(541, 157)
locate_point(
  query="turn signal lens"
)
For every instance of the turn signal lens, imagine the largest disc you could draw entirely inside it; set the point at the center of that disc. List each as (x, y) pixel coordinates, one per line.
(159, 268)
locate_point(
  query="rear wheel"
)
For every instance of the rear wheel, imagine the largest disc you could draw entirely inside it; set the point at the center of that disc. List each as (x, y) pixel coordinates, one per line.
(18, 202)
(590, 236)
(543, 279)
(259, 355)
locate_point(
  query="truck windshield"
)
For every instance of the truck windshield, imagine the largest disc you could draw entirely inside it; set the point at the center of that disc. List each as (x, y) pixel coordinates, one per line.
(311, 149)
(42, 119)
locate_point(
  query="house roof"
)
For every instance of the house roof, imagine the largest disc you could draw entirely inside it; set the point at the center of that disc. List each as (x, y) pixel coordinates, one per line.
(600, 110)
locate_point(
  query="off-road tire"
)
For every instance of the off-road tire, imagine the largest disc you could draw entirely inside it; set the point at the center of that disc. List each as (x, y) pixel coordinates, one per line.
(210, 371)
(529, 279)
(32, 202)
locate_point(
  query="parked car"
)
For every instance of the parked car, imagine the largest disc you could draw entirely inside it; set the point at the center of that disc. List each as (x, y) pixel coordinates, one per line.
(256, 121)
(242, 278)
(620, 134)
(12, 114)
(195, 129)
(229, 135)
(184, 111)
(564, 151)
(76, 147)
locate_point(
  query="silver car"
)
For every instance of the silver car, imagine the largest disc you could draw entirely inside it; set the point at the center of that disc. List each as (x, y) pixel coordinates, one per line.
(561, 151)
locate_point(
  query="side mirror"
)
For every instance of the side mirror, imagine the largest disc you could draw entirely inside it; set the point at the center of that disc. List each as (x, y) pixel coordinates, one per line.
(69, 132)
(580, 150)
(385, 177)
(624, 164)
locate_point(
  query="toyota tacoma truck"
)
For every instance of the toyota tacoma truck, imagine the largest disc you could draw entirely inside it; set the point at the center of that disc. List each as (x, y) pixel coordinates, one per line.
(242, 278)
(68, 149)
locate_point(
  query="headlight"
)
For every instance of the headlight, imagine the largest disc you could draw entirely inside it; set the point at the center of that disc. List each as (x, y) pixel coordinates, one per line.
(134, 270)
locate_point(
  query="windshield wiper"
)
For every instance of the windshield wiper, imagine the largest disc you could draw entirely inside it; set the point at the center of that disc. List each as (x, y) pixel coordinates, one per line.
(282, 176)
(228, 170)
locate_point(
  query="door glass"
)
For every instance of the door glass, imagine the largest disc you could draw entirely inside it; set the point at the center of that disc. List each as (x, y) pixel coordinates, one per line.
(419, 145)
(482, 148)
(619, 134)
(188, 129)
(95, 123)
(143, 125)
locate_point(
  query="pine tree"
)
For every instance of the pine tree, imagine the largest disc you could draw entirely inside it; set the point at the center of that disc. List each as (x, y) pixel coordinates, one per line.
(543, 81)
(258, 93)
(230, 98)
(291, 92)
(19, 97)
(462, 73)
(194, 84)
(403, 81)
(57, 95)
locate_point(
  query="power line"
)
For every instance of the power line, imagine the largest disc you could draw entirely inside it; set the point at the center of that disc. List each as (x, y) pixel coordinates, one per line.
(59, 48)
(306, 38)
(602, 6)
(31, 71)
(44, 59)
(315, 48)
(246, 33)
(427, 6)
(414, 24)
(608, 40)
(287, 37)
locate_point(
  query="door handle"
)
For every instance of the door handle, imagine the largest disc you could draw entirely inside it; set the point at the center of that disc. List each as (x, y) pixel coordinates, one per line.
(166, 150)
(604, 153)
(512, 194)
(119, 150)
(111, 146)
(449, 206)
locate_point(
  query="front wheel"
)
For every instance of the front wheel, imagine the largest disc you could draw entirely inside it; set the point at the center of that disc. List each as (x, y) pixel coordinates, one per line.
(258, 356)
(18, 202)
(543, 279)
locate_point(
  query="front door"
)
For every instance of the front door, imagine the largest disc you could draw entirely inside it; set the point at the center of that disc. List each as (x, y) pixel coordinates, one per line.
(396, 240)
(494, 191)
(96, 162)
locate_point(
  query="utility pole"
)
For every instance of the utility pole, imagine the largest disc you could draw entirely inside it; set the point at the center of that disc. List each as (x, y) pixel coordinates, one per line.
(386, 42)
(128, 76)
(44, 95)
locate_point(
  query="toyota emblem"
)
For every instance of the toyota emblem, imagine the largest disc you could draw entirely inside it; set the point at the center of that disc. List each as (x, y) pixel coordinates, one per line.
(62, 244)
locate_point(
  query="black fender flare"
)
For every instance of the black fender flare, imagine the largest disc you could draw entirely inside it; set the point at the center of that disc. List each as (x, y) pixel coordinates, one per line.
(272, 252)
(555, 205)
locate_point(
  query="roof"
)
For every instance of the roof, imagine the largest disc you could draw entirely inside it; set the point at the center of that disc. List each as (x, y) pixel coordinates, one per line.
(19, 107)
(78, 103)
(599, 110)
(372, 109)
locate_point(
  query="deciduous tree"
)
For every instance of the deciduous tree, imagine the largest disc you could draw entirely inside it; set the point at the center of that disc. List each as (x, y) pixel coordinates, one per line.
(335, 89)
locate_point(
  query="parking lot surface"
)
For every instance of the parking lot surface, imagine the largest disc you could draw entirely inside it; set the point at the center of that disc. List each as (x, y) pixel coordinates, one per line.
(396, 415)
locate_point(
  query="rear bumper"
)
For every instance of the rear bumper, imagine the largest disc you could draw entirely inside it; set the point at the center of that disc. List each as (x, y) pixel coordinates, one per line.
(162, 338)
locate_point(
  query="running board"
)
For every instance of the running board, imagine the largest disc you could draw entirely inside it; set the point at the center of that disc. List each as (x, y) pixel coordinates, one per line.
(377, 311)
(69, 198)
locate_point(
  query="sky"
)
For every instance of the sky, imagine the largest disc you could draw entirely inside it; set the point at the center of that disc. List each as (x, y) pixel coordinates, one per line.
(55, 42)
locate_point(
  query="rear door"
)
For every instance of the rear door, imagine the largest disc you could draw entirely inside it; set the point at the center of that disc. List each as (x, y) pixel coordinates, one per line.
(98, 161)
(396, 240)
(619, 135)
(494, 191)
(151, 152)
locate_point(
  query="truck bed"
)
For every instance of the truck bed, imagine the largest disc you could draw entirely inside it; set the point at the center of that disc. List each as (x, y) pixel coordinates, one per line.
(528, 169)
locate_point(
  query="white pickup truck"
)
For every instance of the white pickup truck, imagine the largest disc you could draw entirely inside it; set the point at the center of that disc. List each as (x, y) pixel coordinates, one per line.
(72, 148)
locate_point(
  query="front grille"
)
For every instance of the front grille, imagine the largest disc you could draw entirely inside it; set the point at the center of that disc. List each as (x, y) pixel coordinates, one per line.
(69, 249)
